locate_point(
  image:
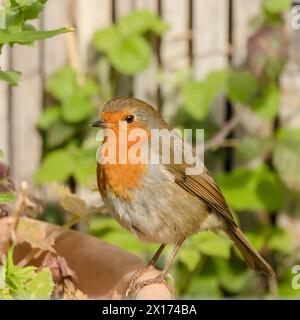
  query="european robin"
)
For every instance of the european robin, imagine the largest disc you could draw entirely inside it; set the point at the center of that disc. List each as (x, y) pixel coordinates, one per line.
(159, 202)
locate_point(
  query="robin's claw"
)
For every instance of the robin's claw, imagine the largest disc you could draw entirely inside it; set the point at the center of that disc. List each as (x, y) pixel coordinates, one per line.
(136, 286)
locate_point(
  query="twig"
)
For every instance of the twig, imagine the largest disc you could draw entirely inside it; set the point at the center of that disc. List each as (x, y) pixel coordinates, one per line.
(220, 137)
(34, 253)
(12, 222)
(273, 286)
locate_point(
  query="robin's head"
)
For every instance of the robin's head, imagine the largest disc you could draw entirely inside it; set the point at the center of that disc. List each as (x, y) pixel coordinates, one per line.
(135, 113)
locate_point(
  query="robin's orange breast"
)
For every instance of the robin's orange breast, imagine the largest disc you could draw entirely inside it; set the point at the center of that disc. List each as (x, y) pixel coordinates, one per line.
(121, 179)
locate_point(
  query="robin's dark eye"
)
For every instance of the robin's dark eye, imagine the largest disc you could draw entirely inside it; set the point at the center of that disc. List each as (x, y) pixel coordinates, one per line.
(129, 119)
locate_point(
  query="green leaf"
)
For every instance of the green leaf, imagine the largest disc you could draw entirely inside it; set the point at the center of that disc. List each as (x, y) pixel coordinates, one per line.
(281, 240)
(33, 11)
(190, 257)
(211, 244)
(89, 88)
(41, 286)
(1, 154)
(256, 239)
(56, 167)
(29, 36)
(286, 157)
(107, 39)
(86, 165)
(267, 105)
(24, 3)
(199, 95)
(77, 108)
(141, 21)
(276, 6)
(246, 189)
(59, 133)
(241, 86)
(229, 278)
(7, 197)
(50, 115)
(252, 147)
(12, 77)
(131, 56)
(63, 84)
(205, 287)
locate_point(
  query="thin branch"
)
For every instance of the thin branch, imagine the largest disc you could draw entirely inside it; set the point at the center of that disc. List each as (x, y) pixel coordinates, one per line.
(218, 140)
(13, 220)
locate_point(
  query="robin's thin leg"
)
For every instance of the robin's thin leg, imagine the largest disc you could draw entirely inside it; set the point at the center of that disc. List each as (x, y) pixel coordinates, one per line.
(151, 263)
(159, 279)
(154, 259)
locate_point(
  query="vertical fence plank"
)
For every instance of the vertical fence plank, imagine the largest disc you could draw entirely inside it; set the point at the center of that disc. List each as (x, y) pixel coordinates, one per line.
(243, 12)
(4, 106)
(123, 7)
(90, 16)
(55, 53)
(210, 35)
(210, 43)
(174, 47)
(26, 108)
(290, 82)
(145, 84)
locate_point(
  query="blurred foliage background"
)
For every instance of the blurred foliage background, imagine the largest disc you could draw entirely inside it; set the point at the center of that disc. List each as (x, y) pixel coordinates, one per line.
(257, 169)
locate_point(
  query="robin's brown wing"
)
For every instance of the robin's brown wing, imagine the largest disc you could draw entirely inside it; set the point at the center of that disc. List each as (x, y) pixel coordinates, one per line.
(204, 187)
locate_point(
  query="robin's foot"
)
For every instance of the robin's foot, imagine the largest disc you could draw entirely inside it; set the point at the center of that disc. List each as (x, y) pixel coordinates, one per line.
(137, 274)
(136, 286)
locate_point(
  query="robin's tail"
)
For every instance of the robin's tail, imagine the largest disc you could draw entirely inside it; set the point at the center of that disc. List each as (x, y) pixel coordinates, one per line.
(251, 256)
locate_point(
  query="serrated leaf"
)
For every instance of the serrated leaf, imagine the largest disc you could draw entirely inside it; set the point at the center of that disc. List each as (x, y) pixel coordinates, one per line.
(211, 244)
(34, 234)
(267, 105)
(41, 286)
(56, 167)
(71, 202)
(12, 77)
(24, 282)
(33, 11)
(131, 56)
(29, 36)
(241, 86)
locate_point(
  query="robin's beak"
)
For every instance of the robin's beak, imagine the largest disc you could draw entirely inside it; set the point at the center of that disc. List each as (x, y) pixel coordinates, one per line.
(100, 124)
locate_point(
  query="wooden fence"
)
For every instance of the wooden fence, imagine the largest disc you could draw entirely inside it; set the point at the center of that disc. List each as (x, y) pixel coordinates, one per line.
(203, 34)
